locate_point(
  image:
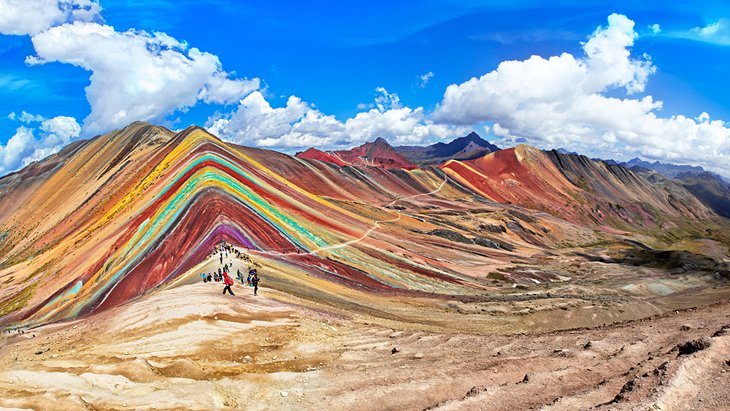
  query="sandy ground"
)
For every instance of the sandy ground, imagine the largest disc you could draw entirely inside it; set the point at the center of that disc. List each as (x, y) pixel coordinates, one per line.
(190, 347)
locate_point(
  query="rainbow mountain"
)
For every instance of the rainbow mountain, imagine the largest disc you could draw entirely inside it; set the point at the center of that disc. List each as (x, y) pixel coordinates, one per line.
(113, 218)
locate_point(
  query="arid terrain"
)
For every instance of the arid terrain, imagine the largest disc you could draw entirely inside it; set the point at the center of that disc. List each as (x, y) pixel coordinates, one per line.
(515, 279)
(190, 347)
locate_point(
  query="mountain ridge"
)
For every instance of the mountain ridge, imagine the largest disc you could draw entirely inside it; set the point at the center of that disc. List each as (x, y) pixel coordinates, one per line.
(122, 214)
(463, 148)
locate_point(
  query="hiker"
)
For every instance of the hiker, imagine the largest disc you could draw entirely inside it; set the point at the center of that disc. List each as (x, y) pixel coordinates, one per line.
(210, 277)
(202, 275)
(221, 258)
(225, 267)
(228, 281)
(255, 283)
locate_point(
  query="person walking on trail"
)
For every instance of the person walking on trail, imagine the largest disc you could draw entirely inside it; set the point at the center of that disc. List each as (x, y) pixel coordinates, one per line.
(255, 283)
(221, 258)
(228, 281)
(202, 275)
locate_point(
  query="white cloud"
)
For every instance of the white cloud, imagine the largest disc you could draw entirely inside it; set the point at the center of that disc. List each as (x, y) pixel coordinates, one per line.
(137, 75)
(26, 117)
(655, 28)
(424, 79)
(299, 125)
(60, 129)
(562, 101)
(715, 33)
(21, 17)
(386, 101)
(23, 147)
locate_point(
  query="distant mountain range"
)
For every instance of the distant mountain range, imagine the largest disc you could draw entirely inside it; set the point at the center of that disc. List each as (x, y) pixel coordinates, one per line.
(376, 154)
(710, 188)
(668, 169)
(463, 148)
(380, 153)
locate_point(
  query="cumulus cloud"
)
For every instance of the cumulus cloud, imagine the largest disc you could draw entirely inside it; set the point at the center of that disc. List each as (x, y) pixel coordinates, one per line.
(300, 125)
(137, 75)
(23, 147)
(21, 17)
(655, 28)
(562, 101)
(424, 79)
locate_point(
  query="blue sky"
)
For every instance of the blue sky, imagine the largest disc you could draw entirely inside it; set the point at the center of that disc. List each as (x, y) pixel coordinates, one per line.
(334, 55)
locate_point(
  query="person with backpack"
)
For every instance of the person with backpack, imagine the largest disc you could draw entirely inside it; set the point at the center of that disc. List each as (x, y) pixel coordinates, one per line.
(255, 282)
(228, 281)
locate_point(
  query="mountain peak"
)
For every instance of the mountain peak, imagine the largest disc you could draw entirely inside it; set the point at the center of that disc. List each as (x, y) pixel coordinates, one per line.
(378, 153)
(463, 148)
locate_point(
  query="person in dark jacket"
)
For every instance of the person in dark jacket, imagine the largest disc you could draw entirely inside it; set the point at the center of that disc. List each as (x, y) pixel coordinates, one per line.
(255, 283)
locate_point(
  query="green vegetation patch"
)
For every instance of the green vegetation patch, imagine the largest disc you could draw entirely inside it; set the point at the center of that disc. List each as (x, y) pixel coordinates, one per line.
(17, 301)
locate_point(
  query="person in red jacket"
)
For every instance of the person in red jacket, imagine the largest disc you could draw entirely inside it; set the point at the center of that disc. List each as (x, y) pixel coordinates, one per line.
(228, 281)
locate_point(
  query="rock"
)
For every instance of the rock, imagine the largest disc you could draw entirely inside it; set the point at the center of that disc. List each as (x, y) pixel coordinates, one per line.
(54, 356)
(722, 275)
(685, 327)
(284, 394)
(693, 346)
(394, 350)
(247, 358)
(473, 391)
(561, 353)
(525, 379)
(587, 345)
(418, 355)
(42, 350)
(722, 331)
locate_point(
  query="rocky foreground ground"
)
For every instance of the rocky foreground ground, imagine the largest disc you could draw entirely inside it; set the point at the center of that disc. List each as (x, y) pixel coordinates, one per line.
(190, 347)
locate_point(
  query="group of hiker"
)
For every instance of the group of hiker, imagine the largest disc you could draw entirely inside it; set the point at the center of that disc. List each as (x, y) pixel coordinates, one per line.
(222, 275)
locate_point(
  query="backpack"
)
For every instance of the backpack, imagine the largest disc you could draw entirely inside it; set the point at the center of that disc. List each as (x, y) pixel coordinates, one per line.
(228, 280)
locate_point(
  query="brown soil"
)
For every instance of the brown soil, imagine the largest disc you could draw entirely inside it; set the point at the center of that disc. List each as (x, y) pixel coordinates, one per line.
(270, 351)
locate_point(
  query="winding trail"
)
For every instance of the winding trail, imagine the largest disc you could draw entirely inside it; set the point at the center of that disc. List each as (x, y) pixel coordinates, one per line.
(367, 233)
